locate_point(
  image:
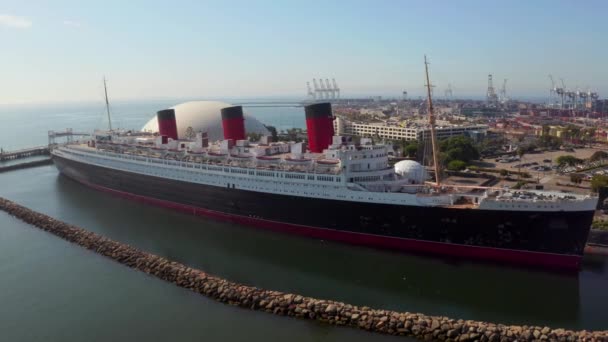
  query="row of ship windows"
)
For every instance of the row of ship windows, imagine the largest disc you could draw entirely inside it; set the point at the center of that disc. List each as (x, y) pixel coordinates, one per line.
(159, 173)
(526, 206)
(239, 171)
(364, 179)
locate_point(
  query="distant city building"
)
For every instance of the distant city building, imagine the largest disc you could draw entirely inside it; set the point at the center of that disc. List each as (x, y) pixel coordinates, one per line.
(408, 133)
(554, 131)
(601, 106)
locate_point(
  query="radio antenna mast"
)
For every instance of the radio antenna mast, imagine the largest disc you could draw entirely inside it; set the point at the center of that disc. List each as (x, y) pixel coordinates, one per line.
(432, 123)
(105, 89)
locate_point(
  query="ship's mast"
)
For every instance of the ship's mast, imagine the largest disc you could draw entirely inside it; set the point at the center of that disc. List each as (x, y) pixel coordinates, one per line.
(432, 123)
(105, 89)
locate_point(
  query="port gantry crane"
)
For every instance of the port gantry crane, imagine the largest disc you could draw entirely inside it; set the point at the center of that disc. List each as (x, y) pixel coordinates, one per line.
(311, 94)
(330, 90)
(558, 91)
(336, 89)
(318, 91)
(503, 93)
(449, 93)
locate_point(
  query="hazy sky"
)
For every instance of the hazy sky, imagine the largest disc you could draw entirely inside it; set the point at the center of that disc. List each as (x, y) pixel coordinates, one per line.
(60, 50)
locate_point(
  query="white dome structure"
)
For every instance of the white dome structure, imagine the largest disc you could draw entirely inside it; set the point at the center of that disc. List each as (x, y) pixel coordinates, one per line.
(204, 116)
(411, 170)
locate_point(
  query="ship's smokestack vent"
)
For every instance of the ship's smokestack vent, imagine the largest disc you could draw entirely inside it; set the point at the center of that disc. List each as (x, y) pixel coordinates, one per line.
(320, 126)
(166, 123)
(233, 123)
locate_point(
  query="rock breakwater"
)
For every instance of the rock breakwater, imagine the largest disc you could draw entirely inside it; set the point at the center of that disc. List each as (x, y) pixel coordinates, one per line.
(428, 328)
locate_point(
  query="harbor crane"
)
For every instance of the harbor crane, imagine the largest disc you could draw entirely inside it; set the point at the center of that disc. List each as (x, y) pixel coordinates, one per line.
(560, 92)
(449, 92)
(330, 90)
(336, 89)
(323, 89)
(503, 92)
(311, 94)
(318, 91)
(491, 96)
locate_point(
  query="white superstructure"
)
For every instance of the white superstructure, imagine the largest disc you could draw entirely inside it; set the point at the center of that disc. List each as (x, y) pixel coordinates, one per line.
(344, 171)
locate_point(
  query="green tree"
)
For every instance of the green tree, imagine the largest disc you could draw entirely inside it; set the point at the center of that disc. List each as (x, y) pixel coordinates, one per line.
(411, 149)
(550, 142)
(573, 132)
(600, 224)
(459, 148)
(273, 132)
(568, 161)
(598, 181)
(576, 178)
(457, 165)
(252, 136)
(598, 155)
(588, 135)
(292, 134)
(190, 134)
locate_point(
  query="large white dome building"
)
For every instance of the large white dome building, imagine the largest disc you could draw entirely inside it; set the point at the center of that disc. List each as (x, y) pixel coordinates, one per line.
(411, 170)
(205, 116)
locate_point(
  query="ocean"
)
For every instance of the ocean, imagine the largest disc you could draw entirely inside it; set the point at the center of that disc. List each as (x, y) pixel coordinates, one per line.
(52, 290)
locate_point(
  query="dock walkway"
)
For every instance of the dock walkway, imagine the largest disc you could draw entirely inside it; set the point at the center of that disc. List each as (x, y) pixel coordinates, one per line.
(24, 153)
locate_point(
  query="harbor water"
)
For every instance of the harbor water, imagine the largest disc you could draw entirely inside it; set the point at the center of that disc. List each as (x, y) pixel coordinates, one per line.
(51, 290)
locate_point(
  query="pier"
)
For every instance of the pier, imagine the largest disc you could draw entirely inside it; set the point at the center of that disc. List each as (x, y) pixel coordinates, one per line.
(24, 153)
(29, 152)
(26, 165)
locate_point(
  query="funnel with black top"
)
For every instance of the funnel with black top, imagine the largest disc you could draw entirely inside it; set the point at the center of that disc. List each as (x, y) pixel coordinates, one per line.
(166, 123)
(233, 123)
(319, 125)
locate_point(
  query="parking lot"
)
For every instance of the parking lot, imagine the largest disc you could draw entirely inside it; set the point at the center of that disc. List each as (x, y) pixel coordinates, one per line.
(539, 162)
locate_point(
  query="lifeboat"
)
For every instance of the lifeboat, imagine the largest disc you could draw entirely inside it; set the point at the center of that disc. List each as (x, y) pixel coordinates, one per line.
(268, 158)
(241, 156)
(298, 160)
(328, 162)
(216, 155)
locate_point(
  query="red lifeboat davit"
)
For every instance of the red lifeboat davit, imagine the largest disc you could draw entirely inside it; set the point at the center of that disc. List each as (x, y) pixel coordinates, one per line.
(319, 125)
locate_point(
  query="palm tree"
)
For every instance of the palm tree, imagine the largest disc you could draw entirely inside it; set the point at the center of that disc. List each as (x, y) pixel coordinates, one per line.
(520, 153)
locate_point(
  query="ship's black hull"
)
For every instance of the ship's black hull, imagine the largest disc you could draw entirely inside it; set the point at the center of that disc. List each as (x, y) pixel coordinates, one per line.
(551, 239)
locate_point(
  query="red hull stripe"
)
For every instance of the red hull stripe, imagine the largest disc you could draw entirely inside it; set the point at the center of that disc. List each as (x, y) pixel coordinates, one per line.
(528, 258)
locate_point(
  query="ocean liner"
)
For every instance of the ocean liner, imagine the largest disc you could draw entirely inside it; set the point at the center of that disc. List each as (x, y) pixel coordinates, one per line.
(331, 187)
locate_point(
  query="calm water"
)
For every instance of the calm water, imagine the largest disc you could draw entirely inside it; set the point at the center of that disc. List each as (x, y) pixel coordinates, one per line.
(51, 290)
